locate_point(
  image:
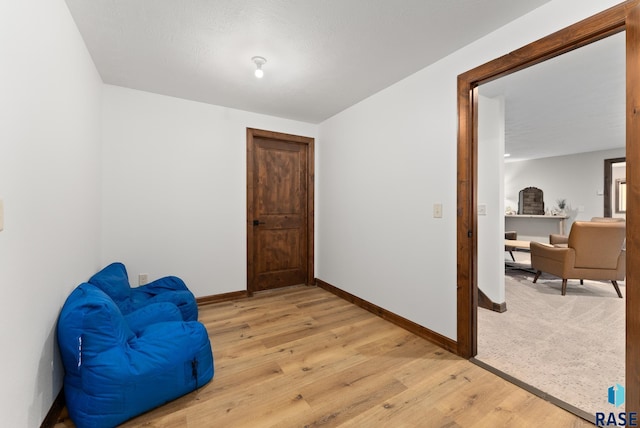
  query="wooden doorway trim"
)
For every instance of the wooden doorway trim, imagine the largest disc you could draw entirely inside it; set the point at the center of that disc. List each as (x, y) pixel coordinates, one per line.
(251, 144)
(625, 16)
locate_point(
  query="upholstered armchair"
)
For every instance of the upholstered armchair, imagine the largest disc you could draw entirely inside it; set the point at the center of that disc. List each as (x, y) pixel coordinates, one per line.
(562, 240)
(595, 250)
(114, 281)
(118, 366)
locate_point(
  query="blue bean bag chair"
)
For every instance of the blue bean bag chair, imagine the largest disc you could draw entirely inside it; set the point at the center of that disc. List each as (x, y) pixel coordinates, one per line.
(117, 366)
(114, 281)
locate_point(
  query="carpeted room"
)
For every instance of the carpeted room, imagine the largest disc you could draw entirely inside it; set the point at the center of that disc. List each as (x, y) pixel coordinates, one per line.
(63, 151)
(576, 190)
(568, 347)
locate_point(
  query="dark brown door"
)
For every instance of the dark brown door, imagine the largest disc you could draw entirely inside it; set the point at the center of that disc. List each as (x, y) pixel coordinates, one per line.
(279, 210)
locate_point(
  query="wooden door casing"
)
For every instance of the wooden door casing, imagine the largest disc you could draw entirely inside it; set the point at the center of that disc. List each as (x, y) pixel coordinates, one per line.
(279, 210)
(623, 17)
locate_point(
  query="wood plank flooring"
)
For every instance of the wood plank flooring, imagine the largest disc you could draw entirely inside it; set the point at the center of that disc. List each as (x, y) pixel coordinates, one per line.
(302, 357)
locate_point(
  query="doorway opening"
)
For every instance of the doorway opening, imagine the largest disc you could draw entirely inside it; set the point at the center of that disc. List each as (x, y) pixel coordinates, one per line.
(623, 17)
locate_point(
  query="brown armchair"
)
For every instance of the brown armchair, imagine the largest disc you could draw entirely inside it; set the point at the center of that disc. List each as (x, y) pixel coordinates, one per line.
(595, 250)
(562, 240)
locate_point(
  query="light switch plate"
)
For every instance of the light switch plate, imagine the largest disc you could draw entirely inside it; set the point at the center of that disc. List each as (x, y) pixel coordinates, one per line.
(437, 210)
(482, 209)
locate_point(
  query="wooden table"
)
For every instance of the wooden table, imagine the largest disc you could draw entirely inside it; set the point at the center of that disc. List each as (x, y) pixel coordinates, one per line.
(521, 245)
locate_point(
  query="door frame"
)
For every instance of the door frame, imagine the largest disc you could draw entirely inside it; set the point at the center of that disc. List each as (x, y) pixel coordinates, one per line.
(295, 139)
(608, 184)
(623, 17)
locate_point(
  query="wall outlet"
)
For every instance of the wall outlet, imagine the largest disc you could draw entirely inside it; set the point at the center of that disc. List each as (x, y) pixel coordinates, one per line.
(143, 278)
(437, 210)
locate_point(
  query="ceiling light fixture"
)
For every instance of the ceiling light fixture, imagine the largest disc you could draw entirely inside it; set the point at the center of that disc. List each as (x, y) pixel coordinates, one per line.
(259, 62)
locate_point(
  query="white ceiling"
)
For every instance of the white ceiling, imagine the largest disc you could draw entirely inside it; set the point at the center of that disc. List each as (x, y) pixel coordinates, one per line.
(571, 104)
(322, 55)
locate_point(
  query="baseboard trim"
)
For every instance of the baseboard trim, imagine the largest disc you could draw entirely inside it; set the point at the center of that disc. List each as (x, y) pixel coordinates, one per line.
(410, 326)
(55, 412)
(485, 302)
(223, 297)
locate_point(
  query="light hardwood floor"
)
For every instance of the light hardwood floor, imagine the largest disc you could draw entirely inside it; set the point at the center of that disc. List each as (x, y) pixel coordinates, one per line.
(302, 357)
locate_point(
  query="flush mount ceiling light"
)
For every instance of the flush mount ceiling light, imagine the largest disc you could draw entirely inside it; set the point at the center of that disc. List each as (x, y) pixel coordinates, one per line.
(259, 62)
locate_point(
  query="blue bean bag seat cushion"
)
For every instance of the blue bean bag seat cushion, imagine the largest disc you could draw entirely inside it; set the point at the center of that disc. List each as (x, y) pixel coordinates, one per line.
(117, 366)
(114, 281)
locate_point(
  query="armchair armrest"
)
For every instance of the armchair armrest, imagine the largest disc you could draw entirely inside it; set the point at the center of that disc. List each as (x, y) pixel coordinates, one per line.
(550, 259)
(164, 344)
(556, 239)
(540, 249)
(151, 314)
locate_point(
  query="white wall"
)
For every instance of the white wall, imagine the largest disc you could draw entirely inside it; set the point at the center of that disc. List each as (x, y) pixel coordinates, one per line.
(384, 162)
(49, 181)
(380, 167)
(491, 137)
(577, 178)
(174, 187)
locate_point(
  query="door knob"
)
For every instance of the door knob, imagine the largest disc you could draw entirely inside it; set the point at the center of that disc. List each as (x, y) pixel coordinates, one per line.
(258, 222)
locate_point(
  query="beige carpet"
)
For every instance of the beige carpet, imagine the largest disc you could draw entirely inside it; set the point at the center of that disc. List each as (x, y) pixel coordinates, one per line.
(570, 347)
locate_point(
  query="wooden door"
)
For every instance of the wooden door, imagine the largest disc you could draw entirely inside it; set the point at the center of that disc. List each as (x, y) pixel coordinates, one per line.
(279, 210)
